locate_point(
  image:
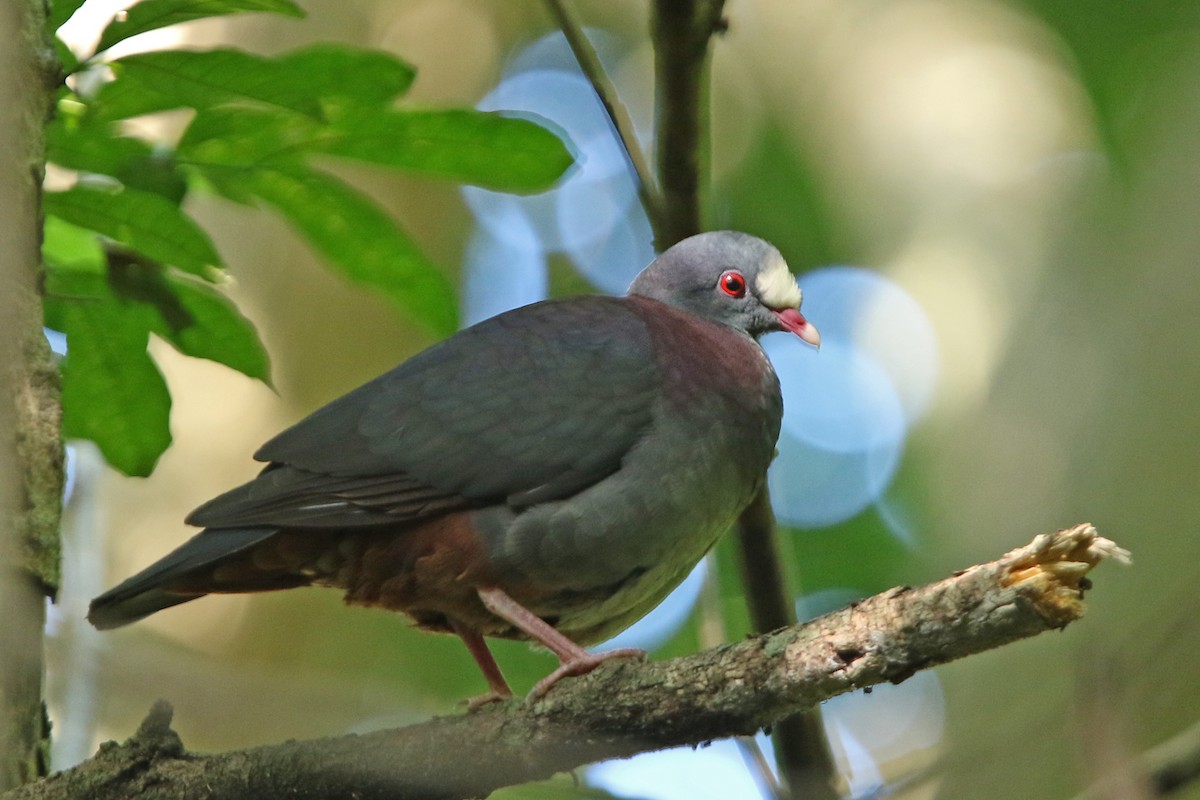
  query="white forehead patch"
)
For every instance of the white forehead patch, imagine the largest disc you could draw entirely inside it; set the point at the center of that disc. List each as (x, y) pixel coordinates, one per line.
(775, 286)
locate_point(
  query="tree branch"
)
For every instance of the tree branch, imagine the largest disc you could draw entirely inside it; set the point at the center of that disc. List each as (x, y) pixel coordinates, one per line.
(593, 70)
(682, 32)
(625, 708)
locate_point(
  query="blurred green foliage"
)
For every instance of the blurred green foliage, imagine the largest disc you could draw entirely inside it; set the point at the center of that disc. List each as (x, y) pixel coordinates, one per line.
(1123, 51)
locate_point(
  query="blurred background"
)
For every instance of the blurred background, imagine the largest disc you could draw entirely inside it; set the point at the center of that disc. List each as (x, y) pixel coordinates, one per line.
(993, 209)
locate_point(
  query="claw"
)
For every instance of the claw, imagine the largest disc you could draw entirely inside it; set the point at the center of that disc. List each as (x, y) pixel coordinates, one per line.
(479, 701)
(581, 666)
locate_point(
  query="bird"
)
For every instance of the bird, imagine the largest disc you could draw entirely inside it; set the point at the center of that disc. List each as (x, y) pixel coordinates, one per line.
(549, 474)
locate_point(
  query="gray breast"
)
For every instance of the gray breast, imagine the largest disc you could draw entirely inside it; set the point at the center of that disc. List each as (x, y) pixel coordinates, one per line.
(607, 555)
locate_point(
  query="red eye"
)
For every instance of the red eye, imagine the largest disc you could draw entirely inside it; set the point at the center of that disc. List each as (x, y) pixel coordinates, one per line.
(733, 283)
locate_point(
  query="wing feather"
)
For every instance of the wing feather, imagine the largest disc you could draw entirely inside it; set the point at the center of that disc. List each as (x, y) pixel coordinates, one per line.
(524, 408)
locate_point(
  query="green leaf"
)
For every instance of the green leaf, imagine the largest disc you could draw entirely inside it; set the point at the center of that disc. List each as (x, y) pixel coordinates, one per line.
(476, 147)
(92, 147)
(159, 174)
(69, 247)
(246, 137)
(68, 62)
(197, 319)
(88, 145)
(222, 144)
(112, 393)
(218, 331)
(338, 72)
(150, 15)
(60, 12)
(146, 222)
(359, 239)
(305, 81)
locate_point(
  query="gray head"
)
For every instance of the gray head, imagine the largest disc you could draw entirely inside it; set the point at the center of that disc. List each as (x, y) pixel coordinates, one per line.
(728, 277)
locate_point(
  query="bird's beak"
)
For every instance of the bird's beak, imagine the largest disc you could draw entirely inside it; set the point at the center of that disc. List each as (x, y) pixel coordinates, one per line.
(790, 319)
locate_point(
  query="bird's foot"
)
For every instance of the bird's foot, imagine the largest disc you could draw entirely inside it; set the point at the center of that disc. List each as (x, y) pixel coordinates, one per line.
(573, 659)
(491, 670)
(479, 701)
(582, 665)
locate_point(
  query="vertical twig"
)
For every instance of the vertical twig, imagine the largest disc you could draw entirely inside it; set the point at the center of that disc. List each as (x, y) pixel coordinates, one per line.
(801, 749)
(682, 31)
(593, 70)
(712, 633)
(770, 604)
(30, 450)
(756, 762)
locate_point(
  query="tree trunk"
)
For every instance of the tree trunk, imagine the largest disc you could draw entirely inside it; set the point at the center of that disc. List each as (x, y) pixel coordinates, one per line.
(31, 461)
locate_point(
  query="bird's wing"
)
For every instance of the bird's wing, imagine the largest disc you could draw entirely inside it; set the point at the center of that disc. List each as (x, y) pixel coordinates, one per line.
(527, 407)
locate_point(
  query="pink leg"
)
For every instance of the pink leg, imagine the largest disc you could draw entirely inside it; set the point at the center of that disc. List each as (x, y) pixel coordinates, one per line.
(575, 660)
(487, 665)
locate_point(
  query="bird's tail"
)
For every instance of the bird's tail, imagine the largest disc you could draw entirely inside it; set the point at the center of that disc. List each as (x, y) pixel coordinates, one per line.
(180, 576)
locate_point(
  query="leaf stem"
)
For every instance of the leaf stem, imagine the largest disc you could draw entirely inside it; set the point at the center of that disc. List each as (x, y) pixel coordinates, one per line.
(618, 114)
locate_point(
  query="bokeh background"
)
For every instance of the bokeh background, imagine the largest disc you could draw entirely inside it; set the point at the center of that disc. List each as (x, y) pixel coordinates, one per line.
(994, 211)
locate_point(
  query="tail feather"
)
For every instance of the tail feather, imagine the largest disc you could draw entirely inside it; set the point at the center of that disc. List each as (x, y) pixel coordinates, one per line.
(165, 583)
